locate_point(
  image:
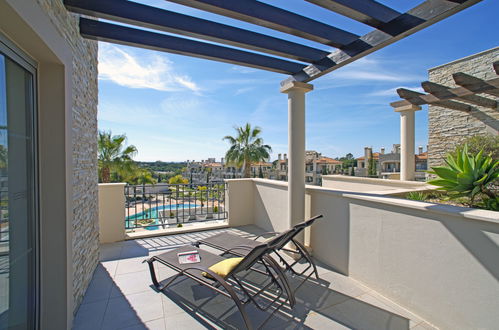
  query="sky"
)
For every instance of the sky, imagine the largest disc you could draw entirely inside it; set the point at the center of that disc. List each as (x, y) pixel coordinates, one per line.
(178, 108)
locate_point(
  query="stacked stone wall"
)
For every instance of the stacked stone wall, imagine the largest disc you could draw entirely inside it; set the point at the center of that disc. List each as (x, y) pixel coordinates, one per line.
(85, 238)
(447, 128)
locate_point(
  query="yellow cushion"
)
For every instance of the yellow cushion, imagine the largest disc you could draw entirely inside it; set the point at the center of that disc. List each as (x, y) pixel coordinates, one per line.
(224, 267)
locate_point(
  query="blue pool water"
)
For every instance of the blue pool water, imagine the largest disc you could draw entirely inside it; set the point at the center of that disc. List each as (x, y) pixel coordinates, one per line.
(152, 213)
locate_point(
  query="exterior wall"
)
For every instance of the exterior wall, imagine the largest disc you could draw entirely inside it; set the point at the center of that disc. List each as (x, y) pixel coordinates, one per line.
(239, 202)
(447, 128)
(372, 185)
(84, 146)
(438, 261)
(111, 212)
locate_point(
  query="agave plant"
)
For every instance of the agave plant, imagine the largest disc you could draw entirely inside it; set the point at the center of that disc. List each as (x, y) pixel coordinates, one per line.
(466, 175)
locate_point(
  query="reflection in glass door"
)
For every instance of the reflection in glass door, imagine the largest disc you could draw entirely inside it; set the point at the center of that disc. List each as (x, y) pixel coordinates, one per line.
(17, 193)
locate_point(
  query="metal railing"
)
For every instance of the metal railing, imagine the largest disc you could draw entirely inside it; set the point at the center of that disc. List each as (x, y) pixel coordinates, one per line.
(4, 215)
(162, 206)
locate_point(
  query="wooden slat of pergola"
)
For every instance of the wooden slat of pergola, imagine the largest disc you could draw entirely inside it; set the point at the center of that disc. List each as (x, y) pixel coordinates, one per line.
(262, 14)
(368, 12)
(390, 26)
(477, 85)
(421, 16)
(446, 97)
(460, 94)
(128, 12)
(119, 34)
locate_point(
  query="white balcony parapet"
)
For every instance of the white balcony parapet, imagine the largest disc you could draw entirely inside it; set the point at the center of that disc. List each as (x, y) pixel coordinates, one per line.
(111, 212)
(420, 255)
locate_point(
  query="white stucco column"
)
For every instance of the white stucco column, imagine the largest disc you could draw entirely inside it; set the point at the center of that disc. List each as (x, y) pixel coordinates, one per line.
(407, 141)
(296, 150)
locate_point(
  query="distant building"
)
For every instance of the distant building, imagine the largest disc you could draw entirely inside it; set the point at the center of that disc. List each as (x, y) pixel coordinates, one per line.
(388, 164)
(210, 170)
(316, 165)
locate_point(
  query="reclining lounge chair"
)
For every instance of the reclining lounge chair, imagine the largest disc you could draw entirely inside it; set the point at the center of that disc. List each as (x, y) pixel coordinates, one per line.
(227, 284)
(226, 243)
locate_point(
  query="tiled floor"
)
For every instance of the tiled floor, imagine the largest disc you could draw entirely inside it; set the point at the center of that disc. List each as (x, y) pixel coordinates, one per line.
(120, 296)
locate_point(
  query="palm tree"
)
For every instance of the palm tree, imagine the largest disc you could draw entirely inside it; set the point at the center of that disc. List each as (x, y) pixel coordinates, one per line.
(140, 176)
(113, 155)
(247, 148)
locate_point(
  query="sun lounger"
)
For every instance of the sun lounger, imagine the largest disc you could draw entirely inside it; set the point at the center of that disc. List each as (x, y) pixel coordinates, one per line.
(226, 242)
(227, 284)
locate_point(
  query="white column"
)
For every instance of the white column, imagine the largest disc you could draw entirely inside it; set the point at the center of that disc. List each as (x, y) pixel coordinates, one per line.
(407, 141)
(296, 150)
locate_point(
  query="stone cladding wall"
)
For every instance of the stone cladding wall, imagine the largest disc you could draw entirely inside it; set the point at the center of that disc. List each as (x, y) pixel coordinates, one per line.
(85, 240)
(447, 128)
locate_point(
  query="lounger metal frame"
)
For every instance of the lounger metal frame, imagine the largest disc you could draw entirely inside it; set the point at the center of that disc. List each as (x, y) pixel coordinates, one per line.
(256, 254)
(280, 240)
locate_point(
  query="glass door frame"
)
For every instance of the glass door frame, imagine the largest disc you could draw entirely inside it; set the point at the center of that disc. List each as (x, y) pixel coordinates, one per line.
(10, 50)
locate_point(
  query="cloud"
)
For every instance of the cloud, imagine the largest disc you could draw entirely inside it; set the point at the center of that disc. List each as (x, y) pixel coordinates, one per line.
(365, 71)
(393, 91)
(244, 69)
(182, 106)
(243, 90)
(371, 75)
(150, 71)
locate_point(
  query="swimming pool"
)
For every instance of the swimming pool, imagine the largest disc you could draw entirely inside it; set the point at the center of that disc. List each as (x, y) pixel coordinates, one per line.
(152, 213)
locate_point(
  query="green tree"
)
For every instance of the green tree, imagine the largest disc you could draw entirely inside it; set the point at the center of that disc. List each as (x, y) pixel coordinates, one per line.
(178, 179)
(208, 171)
(488, 143)
(3, 157)
(260, 172)
(140, 176)
(246, 148)
(348, 161)
(114, 155)
(202, 194)
(371, 170)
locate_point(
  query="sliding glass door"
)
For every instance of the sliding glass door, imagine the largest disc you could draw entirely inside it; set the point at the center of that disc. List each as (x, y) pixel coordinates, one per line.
(18, 225)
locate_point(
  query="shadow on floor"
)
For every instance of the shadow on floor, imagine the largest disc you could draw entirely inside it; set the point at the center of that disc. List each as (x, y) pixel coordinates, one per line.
(318, 306)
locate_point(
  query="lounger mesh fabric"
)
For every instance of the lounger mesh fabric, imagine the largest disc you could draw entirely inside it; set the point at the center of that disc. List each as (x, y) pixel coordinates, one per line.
(230, 243)
(228, 285)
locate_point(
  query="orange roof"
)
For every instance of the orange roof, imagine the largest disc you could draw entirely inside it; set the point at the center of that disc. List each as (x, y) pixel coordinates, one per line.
(212, 165)
(375, 156)
(328, 160)
(261, 164)
(423, 156)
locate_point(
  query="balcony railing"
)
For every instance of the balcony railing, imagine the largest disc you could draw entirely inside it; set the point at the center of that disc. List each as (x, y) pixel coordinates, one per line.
(164, 206)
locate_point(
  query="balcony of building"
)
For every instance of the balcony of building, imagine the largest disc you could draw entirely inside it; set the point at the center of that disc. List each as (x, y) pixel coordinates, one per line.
(121, 296)
(384, 262)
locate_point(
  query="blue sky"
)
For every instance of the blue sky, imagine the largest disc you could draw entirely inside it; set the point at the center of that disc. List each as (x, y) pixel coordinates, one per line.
(174, 108)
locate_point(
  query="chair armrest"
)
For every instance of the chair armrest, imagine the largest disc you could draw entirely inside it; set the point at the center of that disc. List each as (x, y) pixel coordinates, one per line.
(273, 233)
(239, 247)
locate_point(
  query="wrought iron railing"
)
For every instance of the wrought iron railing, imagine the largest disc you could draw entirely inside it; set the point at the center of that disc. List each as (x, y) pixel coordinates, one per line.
(162, 206)
(4, 215)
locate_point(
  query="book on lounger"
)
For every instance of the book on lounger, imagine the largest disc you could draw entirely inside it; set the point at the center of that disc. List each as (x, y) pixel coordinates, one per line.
(189, 257)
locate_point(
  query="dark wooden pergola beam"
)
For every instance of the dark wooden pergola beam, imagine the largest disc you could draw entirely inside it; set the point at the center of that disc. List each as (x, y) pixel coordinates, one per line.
(417, 98)
(108, 32)
(155, 18)
(477, 85)
(275, 18)
(443, 92)
(426, 14)
(496, 67)
(368, 12)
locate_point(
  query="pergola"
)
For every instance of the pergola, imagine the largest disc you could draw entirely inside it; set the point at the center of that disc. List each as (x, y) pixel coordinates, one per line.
(300, 62)
(462, 98)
